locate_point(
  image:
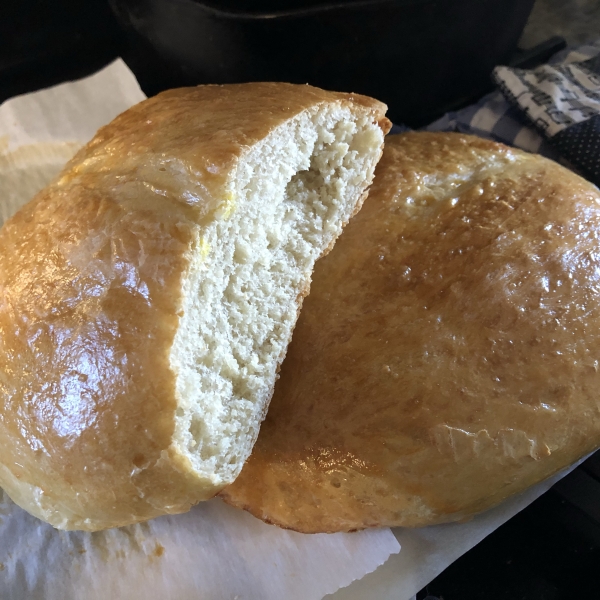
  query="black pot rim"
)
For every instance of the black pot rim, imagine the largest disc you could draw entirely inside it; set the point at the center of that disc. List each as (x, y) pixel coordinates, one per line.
(308, 11)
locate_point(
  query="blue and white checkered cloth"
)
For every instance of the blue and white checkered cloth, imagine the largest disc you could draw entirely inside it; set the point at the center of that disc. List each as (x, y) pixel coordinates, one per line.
(496, 118)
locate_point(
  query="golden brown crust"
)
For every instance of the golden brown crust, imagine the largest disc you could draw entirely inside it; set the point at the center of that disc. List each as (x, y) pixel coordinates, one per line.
(447, 356)
(90, 275)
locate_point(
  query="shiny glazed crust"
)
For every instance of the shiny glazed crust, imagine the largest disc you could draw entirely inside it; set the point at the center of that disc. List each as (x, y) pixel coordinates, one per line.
(447, 356)
(90, 298)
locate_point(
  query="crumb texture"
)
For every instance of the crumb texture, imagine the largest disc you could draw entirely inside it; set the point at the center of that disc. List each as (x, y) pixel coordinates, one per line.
(286, 205)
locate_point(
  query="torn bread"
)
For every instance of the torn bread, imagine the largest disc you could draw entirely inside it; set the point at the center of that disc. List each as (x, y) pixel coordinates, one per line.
(148, 294)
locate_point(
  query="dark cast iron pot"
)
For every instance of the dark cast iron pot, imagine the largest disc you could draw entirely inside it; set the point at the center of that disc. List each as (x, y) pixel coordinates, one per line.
(421, 57)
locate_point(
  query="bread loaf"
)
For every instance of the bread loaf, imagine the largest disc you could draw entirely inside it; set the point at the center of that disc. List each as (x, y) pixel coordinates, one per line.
(147, 295)
(448, 354)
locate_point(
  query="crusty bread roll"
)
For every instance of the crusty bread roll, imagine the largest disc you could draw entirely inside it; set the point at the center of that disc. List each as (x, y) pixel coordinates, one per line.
(447, 356)
(147, 296)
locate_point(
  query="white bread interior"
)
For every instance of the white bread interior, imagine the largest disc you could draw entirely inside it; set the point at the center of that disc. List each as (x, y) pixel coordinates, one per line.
(288, 200)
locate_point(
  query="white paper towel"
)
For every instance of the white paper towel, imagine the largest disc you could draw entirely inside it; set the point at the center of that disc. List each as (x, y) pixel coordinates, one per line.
(70, 112)
(213, 552)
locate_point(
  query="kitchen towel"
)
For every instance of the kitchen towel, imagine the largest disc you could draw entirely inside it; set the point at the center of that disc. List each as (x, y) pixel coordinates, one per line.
(562, 101)
(553, 110)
